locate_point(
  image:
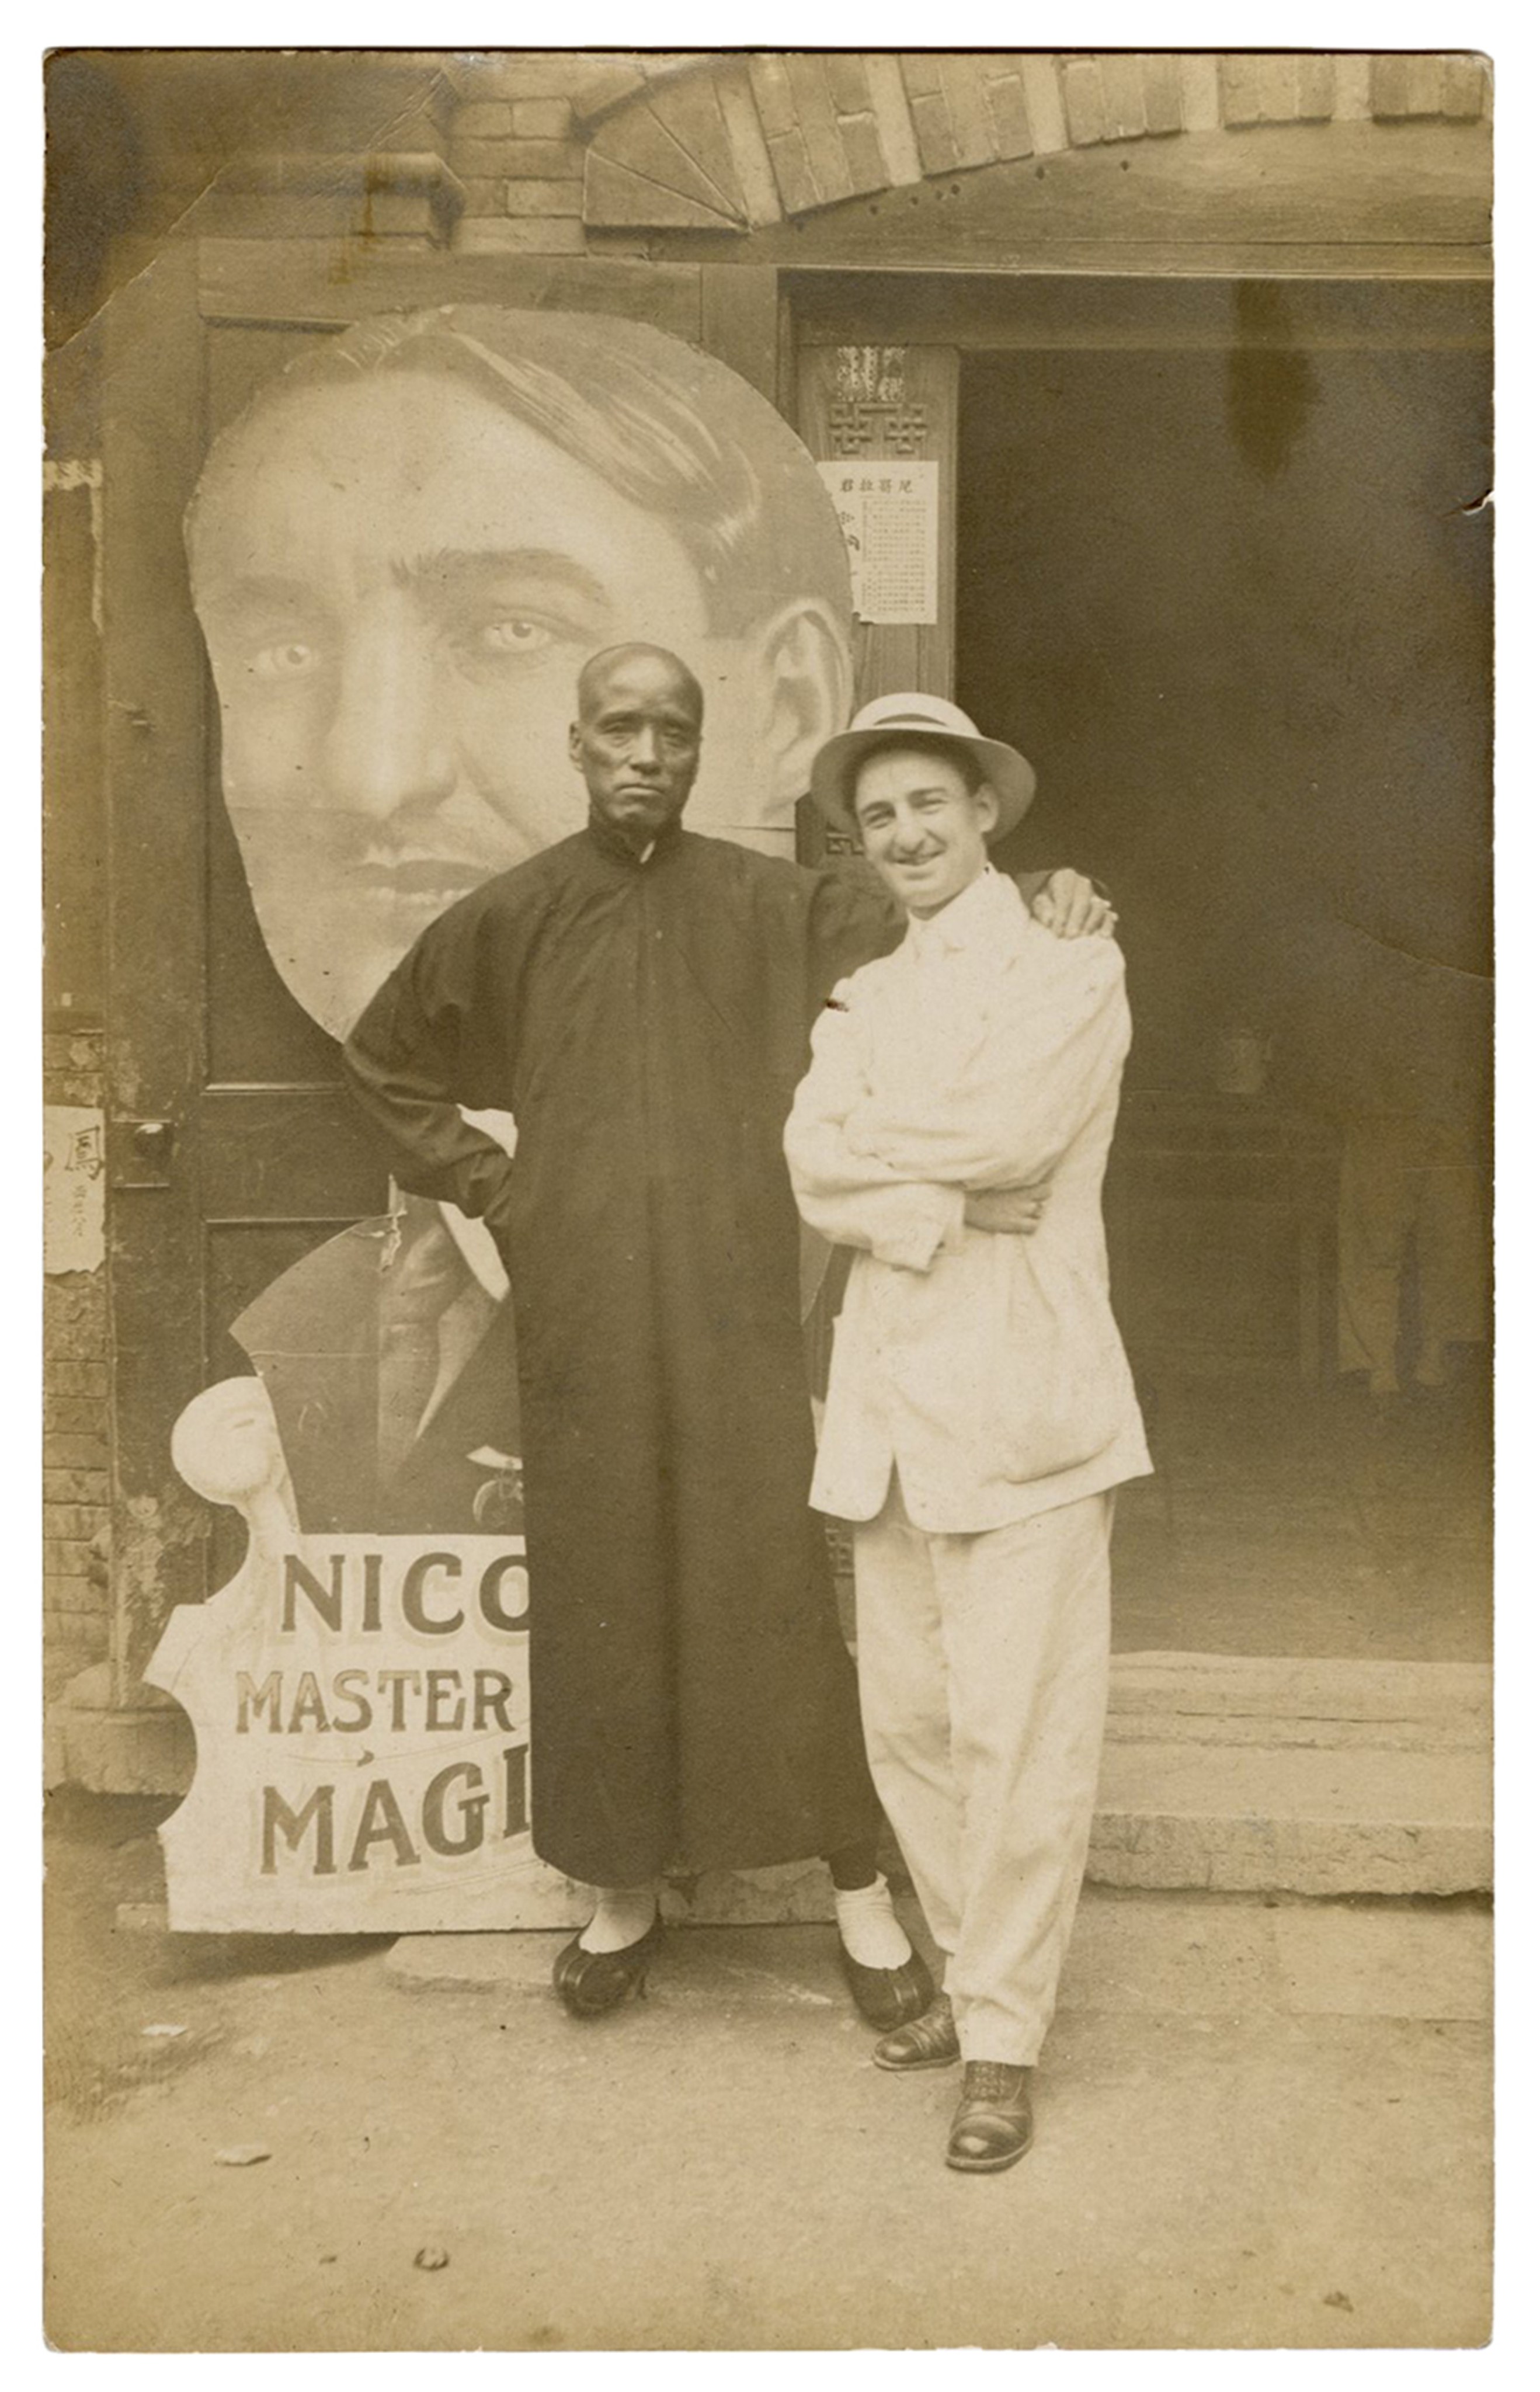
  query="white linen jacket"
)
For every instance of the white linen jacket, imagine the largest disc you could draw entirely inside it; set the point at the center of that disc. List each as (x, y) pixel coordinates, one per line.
(982, 1053)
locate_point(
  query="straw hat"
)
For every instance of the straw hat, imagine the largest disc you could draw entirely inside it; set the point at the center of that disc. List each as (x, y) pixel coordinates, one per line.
(913, 713)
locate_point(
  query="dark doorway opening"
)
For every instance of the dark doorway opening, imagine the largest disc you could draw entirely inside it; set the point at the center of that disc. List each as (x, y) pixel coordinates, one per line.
(1234, 604)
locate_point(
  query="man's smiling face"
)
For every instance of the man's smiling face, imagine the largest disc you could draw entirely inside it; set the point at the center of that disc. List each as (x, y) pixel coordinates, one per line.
(921, 825)
(398, 583)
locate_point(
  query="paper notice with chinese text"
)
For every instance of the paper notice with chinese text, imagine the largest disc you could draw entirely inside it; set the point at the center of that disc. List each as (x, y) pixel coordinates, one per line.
(890, 512)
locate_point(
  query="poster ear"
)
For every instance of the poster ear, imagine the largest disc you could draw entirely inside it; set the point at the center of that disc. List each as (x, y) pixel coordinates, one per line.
(804, 678)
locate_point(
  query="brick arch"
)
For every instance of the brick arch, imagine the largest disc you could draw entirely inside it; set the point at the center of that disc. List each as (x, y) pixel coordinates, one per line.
(736, 145)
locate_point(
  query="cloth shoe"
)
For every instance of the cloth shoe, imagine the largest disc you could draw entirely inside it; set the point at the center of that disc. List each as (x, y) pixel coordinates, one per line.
(889, 1979)
(591, 1982)
(889, 1997)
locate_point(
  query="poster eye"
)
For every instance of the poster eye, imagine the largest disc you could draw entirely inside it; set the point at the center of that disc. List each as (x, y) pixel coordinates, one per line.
(515, 635)
(284, 661)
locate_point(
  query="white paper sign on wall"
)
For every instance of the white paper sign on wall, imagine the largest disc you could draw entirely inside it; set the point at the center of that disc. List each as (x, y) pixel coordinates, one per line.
(73, 1208)
(890, 512)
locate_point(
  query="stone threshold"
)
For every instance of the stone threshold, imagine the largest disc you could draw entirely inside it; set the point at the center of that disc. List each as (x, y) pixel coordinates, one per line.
(1224, 1774)
(1296, 1776)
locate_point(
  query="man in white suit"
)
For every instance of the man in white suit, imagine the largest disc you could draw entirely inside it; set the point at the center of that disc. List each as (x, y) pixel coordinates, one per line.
(954, 1128)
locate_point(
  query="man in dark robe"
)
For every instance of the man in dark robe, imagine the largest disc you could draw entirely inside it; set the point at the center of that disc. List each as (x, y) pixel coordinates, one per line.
(639, 999)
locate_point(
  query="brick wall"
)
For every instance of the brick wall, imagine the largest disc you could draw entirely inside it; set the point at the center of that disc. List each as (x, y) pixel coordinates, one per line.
(514, 147)
(75, 1420)
(557, 155)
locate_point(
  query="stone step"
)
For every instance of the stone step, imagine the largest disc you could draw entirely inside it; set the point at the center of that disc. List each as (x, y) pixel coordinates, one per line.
(1220, 1774)
(1329, 1694)
(1229, 1774)
(1296, 1776)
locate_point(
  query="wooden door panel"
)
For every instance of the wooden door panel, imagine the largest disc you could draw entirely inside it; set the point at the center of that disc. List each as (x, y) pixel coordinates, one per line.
(152, 437)
(286, 1154)
(862, 403)
(263, 1158)
(284, 1162)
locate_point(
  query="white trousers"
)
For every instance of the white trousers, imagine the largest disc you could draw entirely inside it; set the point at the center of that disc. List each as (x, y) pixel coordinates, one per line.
(984, 1665)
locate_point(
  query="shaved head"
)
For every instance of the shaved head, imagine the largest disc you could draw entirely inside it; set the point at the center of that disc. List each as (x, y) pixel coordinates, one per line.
(636, 740)
(600, 670)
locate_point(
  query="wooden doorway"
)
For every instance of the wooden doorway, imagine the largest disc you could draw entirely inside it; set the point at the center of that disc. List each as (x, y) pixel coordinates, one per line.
(234, 1148)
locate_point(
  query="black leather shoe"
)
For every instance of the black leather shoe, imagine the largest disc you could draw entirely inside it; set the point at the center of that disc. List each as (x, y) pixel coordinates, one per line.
(591, 1982)
(889, 1997)
(929, 2041)
(993, 2126)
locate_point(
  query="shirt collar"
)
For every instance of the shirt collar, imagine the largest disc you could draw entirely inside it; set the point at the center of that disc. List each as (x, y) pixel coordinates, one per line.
(966, 922)
(614, 844)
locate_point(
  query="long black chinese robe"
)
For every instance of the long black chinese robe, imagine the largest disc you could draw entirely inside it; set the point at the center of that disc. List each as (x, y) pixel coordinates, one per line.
(645, 1023)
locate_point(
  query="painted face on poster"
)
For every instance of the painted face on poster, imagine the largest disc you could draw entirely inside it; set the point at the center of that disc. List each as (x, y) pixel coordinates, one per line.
(399, 574)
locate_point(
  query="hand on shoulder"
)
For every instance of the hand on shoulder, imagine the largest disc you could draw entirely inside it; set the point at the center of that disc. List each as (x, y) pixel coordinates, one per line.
(1072, 907)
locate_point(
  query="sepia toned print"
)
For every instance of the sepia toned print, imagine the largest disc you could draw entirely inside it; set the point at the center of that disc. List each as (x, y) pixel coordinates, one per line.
(494, 1547)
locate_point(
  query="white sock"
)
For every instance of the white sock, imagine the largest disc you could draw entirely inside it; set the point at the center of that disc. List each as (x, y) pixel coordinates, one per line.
(869, 1929)
(621, 1916)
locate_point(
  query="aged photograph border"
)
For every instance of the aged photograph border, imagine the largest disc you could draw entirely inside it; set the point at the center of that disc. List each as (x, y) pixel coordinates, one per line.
(1515, 746)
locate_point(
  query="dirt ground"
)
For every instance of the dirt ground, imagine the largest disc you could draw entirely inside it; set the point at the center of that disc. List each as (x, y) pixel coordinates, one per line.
(1259, 2124)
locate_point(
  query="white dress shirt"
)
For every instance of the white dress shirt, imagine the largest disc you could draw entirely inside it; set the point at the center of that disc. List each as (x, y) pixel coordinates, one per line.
(982, 1053)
